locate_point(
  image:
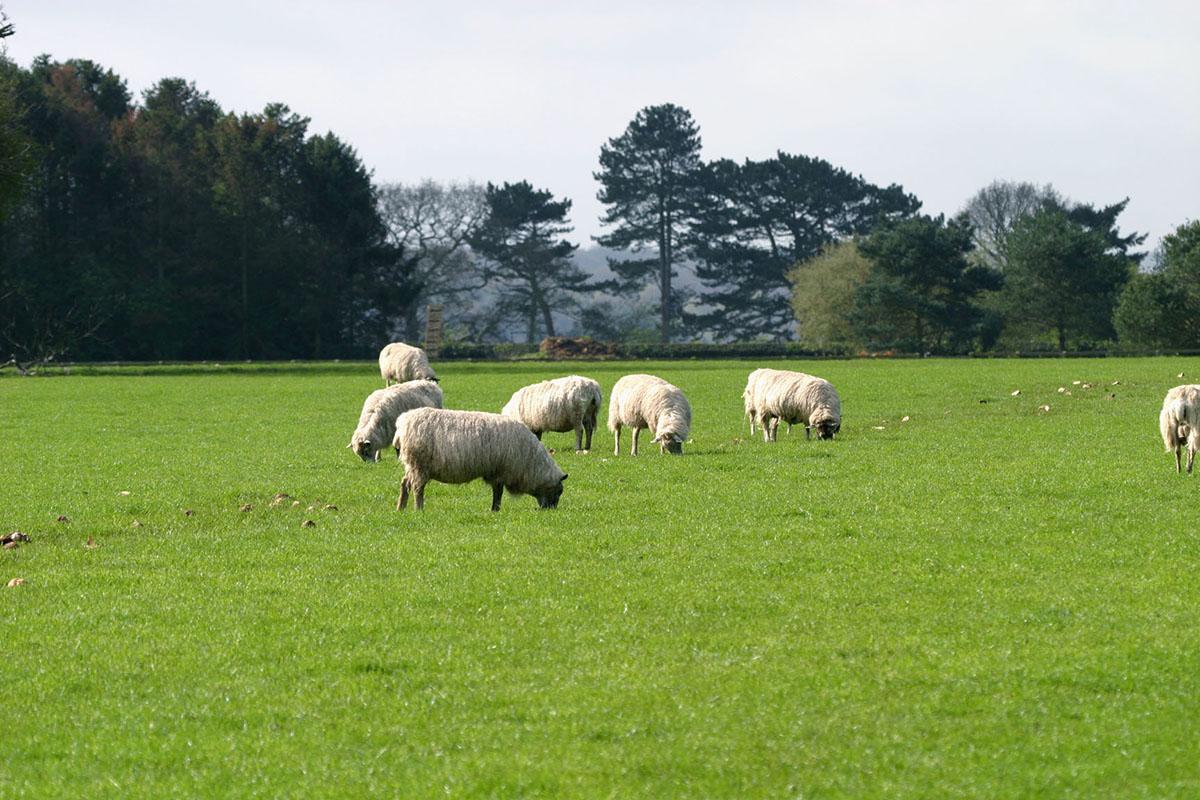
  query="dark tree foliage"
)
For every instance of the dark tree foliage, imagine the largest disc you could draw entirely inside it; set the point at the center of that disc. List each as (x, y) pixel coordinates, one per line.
(920, 294)
(1064, 277)
(15, 158)
(519, 238)
(649, 178)
(759, 219)
(16, 150)
(171, 229)
(1155, 312)
(1102, 221)
(1162, 309)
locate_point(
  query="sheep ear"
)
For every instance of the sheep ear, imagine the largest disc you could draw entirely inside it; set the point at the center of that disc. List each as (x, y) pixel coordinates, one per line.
(563, 478)
(351, 445)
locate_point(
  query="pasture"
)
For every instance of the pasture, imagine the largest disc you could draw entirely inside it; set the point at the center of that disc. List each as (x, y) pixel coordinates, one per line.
(986, 600)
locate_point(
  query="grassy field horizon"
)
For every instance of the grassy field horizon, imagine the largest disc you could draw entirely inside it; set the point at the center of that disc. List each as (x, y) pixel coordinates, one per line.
(965, 594)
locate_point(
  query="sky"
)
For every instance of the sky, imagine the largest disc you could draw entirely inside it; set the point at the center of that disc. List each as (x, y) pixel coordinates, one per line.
(1100, 99)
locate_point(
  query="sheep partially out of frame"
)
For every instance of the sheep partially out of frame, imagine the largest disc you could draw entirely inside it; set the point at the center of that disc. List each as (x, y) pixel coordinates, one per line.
(1179, 423)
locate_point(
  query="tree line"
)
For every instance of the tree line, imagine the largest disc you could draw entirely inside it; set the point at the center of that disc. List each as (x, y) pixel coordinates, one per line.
(166, 227)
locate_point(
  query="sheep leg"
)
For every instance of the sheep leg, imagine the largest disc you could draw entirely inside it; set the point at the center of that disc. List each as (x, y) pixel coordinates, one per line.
(589, 429)
(766, 428)
(1178, 463)
(617, 436)
(636, 433)
(419, 494)
(402, 501)
(497, 493)
(807, 433)
(578, 438)
(1191, 456)
(753, 417)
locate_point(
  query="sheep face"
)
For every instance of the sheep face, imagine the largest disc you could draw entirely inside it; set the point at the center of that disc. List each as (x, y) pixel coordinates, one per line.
(827, 428)
(365, 450)
(670, 443)
(548, 498)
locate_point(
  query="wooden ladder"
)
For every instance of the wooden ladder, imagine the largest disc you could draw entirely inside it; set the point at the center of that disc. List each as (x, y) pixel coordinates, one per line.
(433, 330)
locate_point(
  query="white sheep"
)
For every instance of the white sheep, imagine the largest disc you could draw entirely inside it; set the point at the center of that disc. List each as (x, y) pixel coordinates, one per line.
(377, 423)
(796, 397)
(560, 405)
(399, 362)
(460, 446)
(647, 401)
(1179, 422)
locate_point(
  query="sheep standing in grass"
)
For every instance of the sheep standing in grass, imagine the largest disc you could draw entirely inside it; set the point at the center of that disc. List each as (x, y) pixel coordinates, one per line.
(559, 405)
(646, 401)
(755, 385)
(399, 363)
(460, 446)
(1179, 422)
(377, 423)
(796, 397)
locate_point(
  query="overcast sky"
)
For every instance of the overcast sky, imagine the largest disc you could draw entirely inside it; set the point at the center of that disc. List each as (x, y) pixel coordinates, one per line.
(1101, 99)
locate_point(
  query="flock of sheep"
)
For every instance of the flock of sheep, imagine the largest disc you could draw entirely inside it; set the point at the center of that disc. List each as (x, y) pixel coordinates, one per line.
(505, 449)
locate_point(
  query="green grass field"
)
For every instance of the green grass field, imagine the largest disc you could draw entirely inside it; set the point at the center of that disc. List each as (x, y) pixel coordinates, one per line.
(986, 600)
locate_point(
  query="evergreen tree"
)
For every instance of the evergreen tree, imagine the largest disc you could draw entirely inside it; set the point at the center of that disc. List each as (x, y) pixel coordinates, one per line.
(1062, 277)
(1162, 308)
(761, 218)
(519, 239)
(649, 178)
(922, 288)
(172, 230)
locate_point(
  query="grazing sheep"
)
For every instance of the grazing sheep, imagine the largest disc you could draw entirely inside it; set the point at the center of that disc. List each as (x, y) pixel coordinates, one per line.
(560, 405)
(377, 423)
(460, 446)
(759, 377)
(1179, 422)
(399, 363)
(646, 401)
(796, 397)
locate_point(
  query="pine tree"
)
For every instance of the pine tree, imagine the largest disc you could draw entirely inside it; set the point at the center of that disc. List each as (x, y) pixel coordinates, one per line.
(649, 181)
(519, 240)
(760, 218)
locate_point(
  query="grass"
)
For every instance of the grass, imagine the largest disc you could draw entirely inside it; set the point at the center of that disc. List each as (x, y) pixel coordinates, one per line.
(986, 600)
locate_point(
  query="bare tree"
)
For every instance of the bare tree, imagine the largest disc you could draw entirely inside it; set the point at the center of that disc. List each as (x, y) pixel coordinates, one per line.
(37, 336)
(6, 27)
(995, 208)
(432, 223)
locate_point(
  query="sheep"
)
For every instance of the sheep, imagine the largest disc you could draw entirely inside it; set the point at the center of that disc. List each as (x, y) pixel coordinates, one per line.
(460, 446)
(757, 377)
(559, 405)
(1179, 422)
(646, 401)
(796, 397)
(377, 423)
(399, 362)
